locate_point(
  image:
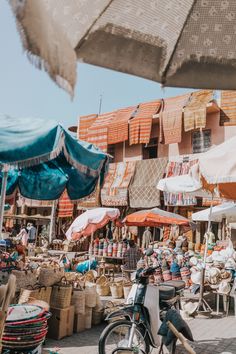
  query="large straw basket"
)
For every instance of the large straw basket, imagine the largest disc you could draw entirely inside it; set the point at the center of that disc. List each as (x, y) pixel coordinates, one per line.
(103, 287)
(97, 316)
(117, 290)
(38, 293)
(50, 276)
(127, 287)
(90, 276)
(88, 317)
(90, 295)
(79, 323)
(78, 299)
(25, 279)
(61, 295)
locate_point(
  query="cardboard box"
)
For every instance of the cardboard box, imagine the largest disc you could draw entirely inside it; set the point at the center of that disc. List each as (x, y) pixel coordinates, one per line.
(61, 323)
(79, 323)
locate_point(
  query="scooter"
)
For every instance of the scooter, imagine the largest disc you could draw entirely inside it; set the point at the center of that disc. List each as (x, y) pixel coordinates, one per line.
(133, 328)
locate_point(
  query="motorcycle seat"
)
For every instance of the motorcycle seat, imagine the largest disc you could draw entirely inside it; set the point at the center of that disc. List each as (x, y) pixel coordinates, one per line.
(177, 284)
(166, 292)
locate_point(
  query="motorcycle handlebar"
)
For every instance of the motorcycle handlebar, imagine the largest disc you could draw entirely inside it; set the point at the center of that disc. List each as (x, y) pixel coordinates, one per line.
(148, 271)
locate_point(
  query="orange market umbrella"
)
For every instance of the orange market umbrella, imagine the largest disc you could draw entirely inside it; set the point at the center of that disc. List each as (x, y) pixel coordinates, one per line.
(156, 218)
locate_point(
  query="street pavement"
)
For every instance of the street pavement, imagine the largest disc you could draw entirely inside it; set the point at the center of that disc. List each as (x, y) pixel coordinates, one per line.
(212, 336)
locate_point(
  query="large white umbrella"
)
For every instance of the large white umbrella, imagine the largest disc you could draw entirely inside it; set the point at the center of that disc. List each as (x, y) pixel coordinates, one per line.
(223, 211)
(215, 172)
(188, 43)
(90, 221)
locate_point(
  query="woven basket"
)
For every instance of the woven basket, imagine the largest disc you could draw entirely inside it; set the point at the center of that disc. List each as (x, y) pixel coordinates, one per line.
(97, 316)
(61, 295)
(126, 288)
(50, 276)
(25, 279)
(39, 293)
(116, 290)
(79, 323)
(103, 287)
(90, 276)
(90, 295)
(78, 299)
(88, 317)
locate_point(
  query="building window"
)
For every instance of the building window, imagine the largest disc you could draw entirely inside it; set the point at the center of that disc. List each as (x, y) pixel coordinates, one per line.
(201, 141)
(150, 149)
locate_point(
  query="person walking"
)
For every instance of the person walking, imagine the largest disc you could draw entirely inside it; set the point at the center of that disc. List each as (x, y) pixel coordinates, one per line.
(131, 256)
(32, 232)
(23, 236)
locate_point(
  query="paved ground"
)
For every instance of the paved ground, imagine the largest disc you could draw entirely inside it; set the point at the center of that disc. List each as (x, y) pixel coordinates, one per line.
(212, 336)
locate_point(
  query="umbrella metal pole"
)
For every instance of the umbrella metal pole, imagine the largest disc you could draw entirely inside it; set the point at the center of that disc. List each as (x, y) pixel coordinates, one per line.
(3, 197)
(203, 306)
(52, 220)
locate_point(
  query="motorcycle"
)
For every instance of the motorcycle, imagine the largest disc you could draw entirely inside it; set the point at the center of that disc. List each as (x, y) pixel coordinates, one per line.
(134, 327)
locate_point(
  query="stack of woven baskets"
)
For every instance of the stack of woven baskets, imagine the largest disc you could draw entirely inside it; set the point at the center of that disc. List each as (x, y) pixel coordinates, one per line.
(117, 289)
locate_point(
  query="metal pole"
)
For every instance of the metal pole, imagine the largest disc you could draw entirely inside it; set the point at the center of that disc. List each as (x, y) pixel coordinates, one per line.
(202, 304)
(52, 220)
(3, 197)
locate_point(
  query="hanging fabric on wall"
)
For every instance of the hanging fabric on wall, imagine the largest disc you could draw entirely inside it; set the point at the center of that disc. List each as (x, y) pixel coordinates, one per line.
(228, 108)
(195, 110)
(171, 119)
(98, 131)
(85, 123)
(142, 191)
(65, 206)
(91, 201)
(178, 168)
(118, 129)
(141, 125)
(115, 188)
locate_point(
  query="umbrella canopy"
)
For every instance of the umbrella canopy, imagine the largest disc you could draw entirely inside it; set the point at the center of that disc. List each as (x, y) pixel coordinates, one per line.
(166, 41)
(155, 217)
(43, 159)
(90, 221)
(219, 212)
(188, 184)
(214, 172)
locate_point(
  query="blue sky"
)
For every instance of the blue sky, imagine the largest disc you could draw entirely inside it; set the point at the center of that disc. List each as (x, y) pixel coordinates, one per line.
(26, 91)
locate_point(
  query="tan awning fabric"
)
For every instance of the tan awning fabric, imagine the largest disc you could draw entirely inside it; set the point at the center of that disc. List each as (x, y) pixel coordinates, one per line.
(142, 191)
(188, 43)
(117, 181)
(46, 42)
(195, 110)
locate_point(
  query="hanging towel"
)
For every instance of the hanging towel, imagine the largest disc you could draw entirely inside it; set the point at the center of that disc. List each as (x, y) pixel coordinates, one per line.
(228, 108)
(142, 191)
(118, 129)
(65, 206)
(141, 125)
(85, 123)
(117, 181)
(171, 119)
(98, 131)
(195, 110)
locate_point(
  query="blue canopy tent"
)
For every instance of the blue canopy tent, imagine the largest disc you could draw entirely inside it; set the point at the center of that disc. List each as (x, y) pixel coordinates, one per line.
(42, 159)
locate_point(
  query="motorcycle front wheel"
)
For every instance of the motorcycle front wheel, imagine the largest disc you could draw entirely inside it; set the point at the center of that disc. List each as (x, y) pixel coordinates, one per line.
(116, 335)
